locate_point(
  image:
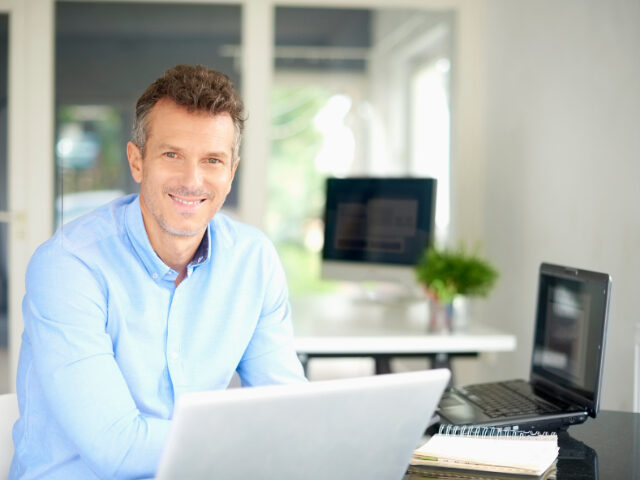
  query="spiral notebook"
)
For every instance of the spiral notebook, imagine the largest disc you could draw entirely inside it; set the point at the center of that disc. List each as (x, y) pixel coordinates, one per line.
(489, 450)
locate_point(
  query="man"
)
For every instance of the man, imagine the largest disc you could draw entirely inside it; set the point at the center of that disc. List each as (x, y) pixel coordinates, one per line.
(149, 297)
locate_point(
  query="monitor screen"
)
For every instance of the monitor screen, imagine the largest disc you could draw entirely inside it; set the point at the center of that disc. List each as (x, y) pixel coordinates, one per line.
(383, 221)
(570, 331)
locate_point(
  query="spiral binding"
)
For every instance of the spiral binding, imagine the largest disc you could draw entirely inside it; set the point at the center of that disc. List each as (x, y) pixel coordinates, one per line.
(487, 431)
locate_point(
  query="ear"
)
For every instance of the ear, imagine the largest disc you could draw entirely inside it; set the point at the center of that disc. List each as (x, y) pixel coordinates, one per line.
(135, 161)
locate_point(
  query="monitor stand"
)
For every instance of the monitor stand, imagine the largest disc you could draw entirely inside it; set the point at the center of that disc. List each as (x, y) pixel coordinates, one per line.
(387, 293)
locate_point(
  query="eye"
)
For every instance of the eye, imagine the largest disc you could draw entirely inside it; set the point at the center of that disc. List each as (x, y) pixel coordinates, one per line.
(213, 160)
(171, 154)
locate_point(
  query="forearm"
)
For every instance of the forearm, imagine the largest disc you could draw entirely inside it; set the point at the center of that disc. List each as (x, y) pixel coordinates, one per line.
(90, 402)
(130, 448)
(87, 396)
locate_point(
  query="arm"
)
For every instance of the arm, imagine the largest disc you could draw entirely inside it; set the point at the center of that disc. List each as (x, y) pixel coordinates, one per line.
(65, 314)
(270, 357)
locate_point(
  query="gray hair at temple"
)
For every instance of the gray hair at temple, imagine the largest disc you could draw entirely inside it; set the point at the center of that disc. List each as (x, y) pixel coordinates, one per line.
(196, 88)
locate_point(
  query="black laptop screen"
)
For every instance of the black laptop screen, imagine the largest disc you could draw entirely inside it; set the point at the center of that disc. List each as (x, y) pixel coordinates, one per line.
(569, 337)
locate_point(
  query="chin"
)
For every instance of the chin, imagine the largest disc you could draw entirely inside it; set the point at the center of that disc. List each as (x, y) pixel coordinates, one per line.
(183, 233)
(185, 230)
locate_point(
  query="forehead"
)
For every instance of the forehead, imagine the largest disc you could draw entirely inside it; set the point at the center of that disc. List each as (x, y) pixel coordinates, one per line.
(169, 121)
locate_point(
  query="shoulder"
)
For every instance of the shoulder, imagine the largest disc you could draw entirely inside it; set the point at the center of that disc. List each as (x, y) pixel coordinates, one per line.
(83, 234)
(243, 246)
(235, 234)
(93, 227)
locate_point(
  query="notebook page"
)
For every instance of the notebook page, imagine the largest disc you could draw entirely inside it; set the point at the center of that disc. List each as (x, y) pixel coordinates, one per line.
(512, 454)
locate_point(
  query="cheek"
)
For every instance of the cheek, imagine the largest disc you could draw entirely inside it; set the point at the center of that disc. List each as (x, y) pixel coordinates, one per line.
(221, 183)
(152, 180)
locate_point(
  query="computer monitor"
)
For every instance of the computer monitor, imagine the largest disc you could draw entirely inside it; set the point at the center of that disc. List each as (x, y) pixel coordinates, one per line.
(377, 228)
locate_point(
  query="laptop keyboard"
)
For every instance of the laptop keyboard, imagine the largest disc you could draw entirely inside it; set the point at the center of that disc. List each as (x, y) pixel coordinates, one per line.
(504, 399)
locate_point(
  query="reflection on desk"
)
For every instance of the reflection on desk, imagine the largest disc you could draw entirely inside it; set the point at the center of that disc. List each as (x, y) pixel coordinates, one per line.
(607, 448)
(333, 326)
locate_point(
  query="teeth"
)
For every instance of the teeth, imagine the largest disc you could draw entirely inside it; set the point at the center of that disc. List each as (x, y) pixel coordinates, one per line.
(185, 202)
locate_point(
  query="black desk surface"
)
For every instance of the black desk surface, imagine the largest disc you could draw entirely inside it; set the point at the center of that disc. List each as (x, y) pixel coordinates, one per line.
(606, 448)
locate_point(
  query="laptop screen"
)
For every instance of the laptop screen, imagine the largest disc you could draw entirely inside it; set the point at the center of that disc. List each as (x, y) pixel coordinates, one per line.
(570, 330)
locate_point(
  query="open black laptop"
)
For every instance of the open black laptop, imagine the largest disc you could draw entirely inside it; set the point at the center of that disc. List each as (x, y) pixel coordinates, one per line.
(566, 366)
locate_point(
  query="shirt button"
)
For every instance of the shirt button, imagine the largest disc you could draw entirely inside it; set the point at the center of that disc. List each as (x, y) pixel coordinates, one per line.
(155, 275)
(174, 355)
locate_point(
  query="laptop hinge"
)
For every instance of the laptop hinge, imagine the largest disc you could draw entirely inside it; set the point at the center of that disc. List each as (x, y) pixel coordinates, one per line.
(546, 388)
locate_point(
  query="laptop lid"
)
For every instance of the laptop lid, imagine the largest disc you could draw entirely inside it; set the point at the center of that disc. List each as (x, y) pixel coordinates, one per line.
(339, 429)
(570, 334)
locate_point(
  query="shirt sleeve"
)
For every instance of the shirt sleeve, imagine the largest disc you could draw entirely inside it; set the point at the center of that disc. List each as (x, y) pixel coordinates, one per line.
(270, 357)
(65, 315)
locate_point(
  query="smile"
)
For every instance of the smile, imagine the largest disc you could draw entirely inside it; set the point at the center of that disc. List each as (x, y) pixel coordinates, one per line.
(186, 202)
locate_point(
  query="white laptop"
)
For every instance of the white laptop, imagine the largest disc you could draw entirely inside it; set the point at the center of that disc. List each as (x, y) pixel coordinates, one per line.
(339, 429)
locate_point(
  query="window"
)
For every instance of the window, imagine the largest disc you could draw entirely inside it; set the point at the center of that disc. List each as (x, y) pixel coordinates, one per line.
(106, 55)
(349, 99)
(430, 132)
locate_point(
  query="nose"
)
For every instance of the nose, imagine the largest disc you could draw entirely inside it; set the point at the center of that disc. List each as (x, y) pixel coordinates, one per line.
(191, 175)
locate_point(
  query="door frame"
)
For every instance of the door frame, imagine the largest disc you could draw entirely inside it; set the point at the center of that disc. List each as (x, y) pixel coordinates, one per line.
(30, 166)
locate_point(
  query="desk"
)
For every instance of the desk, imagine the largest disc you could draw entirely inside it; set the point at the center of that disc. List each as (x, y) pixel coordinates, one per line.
(605, 448)
(339, 327)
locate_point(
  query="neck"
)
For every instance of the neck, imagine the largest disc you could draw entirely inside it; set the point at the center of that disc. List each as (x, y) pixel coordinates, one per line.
(175, 251)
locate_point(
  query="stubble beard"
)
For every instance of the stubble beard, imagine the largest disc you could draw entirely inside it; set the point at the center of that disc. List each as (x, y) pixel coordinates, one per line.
(157, 215)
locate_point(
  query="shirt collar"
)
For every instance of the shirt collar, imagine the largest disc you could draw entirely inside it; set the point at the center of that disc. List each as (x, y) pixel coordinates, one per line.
(203, 253)
(142, 246)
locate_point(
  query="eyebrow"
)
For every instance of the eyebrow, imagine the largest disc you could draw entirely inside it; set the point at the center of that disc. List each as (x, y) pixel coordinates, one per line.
(222, 155)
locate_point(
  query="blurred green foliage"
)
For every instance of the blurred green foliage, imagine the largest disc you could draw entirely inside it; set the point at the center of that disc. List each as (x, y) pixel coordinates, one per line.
(447, 273)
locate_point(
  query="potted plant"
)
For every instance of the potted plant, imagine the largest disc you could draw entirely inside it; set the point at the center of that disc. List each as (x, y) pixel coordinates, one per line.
(449, 273)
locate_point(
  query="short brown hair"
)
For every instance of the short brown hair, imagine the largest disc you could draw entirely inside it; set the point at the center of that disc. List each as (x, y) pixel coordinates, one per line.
(196, 88)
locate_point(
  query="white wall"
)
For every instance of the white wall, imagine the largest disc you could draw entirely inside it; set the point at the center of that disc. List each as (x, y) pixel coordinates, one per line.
(562, 163)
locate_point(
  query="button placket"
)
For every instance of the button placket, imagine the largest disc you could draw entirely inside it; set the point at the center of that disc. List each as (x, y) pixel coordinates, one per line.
(173, 348)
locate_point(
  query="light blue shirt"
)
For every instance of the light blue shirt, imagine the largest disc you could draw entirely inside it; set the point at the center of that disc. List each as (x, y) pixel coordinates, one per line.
(110, 342)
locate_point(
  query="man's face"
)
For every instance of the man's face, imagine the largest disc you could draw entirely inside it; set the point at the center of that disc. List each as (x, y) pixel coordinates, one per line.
(187, 169)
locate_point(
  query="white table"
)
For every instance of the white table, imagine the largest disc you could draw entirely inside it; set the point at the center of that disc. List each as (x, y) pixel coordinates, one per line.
(336, 326)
